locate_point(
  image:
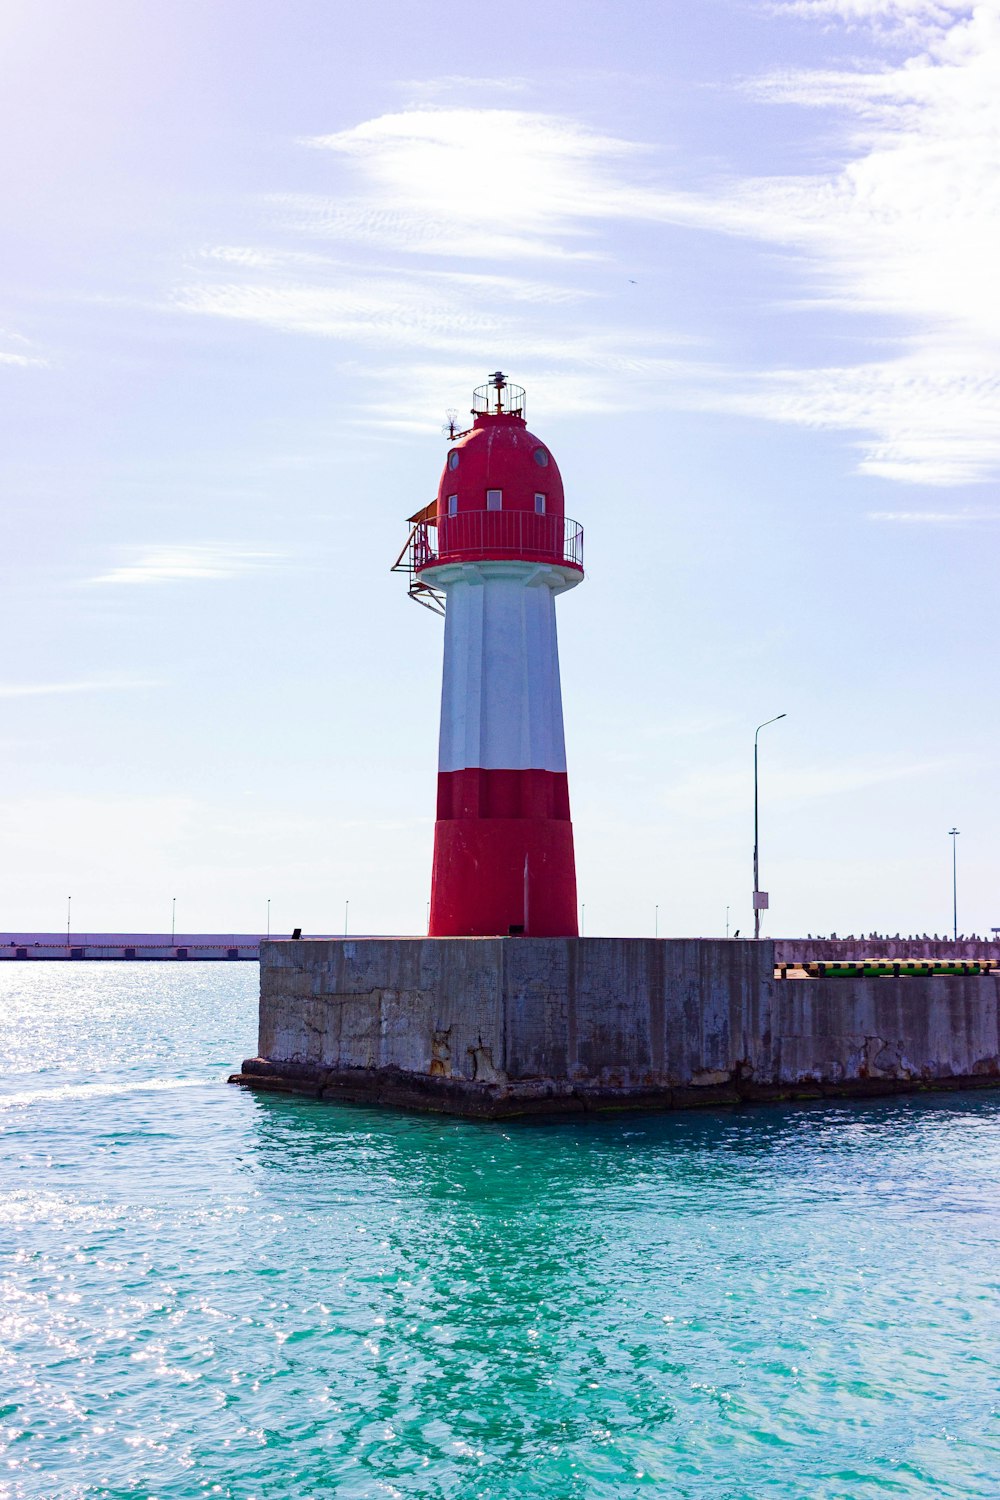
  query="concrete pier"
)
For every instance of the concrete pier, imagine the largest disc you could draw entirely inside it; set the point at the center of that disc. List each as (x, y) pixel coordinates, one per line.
(138, 947)
(507, 1026)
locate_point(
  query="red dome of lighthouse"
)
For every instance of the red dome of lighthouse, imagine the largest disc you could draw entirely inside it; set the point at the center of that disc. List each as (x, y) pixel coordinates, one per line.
(498, 456)
(501, 493)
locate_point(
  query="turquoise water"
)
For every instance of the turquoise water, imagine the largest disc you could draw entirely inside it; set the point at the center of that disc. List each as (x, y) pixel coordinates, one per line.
(211, 1293)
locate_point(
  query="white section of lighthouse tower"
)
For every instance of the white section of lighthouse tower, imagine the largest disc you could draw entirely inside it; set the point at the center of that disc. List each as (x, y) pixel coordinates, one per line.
(501, 700)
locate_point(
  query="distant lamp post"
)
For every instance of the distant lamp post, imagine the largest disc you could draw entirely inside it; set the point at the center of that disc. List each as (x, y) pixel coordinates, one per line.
(760, 901)
(69, 911)
(173, 919)
(347, 908)
(953, 835)
(656, 922)
(269, 916)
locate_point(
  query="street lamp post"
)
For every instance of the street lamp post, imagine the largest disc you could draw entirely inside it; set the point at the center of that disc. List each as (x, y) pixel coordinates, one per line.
(269, 916)
(173, 919)
(758, 903)
(953, 835)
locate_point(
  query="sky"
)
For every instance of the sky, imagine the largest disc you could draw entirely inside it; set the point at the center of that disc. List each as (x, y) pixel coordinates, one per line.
(743, 256)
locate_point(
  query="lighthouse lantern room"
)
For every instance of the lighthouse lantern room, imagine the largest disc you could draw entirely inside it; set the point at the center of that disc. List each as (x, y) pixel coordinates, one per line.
(492, 551)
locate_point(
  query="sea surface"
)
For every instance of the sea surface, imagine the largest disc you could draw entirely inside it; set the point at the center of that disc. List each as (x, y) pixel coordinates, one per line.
(204, 1292)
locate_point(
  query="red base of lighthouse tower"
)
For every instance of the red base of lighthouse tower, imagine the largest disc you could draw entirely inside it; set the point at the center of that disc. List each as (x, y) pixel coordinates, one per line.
(503, 855)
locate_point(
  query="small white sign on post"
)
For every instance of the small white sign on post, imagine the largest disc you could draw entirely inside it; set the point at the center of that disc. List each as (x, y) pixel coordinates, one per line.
(760, 902)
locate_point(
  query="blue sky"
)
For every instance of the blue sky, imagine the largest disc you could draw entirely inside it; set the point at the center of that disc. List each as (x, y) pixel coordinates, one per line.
(743, 257)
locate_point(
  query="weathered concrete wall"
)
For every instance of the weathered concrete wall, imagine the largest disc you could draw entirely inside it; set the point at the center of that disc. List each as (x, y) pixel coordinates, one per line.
(835, 1031)
(516, 1025)
(427, 1006)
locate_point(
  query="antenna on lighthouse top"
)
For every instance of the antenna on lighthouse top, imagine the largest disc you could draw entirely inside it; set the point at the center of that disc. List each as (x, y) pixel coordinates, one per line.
(450, 427)
(498, 381)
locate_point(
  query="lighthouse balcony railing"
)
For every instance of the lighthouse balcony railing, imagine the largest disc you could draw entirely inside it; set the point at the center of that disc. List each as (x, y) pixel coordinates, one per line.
(496, 534)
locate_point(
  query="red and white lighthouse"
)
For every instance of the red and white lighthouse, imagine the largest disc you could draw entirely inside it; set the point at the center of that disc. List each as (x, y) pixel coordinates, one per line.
(492, 551)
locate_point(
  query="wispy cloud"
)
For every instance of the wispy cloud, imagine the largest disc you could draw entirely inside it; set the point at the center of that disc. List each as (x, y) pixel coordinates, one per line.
(181, 564)
(22, 351)
(908, 227)
(49, 689)
(935, 517)
(418, 309)
(924, 417)
(483, 183)
(903, 226)
(256, 258)
(490, 190)
(422, 89)
(899, 12)
(453, 316)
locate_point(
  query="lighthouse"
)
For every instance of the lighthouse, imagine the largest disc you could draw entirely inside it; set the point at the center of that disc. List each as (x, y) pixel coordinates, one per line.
(473, 1020)
(491, 552)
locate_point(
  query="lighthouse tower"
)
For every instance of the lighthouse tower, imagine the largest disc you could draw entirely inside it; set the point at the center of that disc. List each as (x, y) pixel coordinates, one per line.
(492, 551)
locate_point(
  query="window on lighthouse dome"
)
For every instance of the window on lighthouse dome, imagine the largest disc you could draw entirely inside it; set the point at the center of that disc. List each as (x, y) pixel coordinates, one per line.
(453, 505)
(453, 459)
(494, 499)
(539, 505)
(541, 457)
